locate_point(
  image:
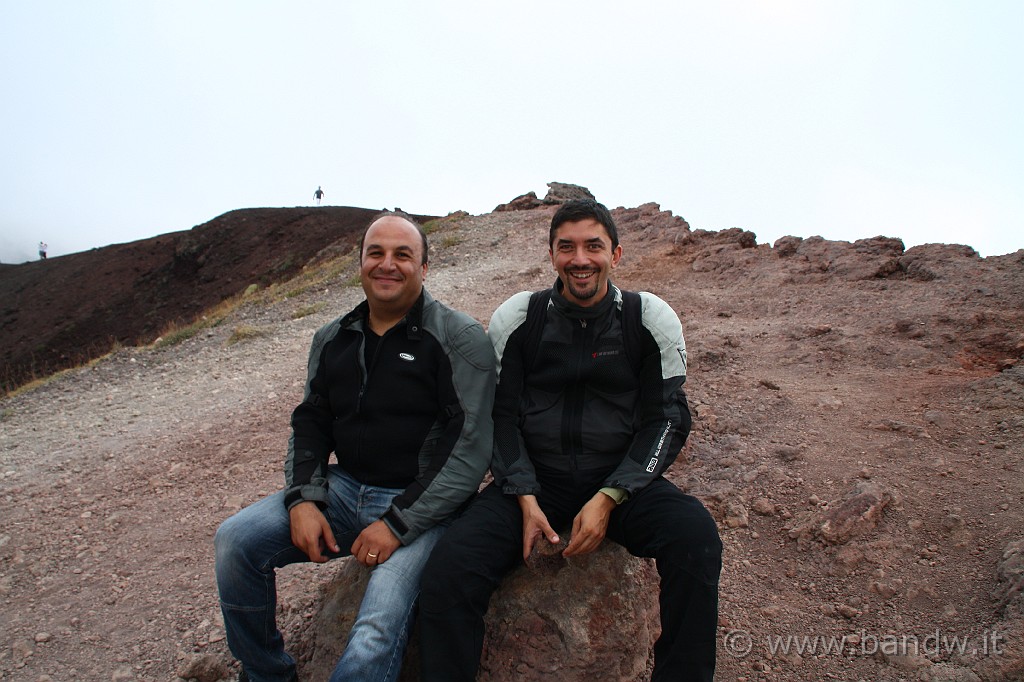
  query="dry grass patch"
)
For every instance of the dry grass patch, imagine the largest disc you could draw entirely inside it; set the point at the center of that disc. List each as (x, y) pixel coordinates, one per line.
(245, 332)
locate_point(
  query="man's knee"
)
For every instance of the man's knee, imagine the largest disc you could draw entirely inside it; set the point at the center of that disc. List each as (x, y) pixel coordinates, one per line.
(240, 541)
(227, 544)
(708, 558)
(696, 548)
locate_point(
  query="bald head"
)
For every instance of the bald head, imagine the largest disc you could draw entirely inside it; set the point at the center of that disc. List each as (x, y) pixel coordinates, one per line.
(405, 217)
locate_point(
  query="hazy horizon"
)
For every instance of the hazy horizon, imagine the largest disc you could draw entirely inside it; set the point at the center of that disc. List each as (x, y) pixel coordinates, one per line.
(34, 256)
(848, 120)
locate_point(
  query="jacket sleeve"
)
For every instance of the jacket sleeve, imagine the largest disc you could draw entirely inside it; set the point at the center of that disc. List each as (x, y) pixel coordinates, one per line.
(461, 443)
(510, 462)
(312, 439)
(664, 417)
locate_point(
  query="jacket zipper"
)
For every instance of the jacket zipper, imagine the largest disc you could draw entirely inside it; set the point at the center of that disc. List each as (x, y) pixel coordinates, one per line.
(367, 370)
(576, 415)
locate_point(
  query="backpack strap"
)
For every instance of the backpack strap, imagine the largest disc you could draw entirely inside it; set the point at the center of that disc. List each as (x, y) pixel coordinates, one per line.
(536, 313)
(632, 328)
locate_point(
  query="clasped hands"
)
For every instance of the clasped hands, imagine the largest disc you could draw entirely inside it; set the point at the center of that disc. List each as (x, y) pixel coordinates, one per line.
(588, 528)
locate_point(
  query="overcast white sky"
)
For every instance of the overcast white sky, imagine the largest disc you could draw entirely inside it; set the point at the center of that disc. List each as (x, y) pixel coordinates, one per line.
(845, 119)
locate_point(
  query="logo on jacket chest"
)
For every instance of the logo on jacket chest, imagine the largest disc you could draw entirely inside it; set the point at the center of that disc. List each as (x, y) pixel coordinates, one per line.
(408, 357)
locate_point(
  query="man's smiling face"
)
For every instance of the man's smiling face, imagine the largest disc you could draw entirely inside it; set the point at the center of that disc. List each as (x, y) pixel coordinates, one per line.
(392, 266)
(583, 257)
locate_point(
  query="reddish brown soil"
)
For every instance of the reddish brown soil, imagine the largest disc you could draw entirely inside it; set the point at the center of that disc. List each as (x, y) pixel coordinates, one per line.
(860, 436)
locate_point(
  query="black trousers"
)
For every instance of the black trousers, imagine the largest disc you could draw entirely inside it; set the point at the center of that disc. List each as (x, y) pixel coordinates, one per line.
(485, 543)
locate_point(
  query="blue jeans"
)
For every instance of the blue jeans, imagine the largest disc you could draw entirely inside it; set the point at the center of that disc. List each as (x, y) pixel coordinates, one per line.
(256, 541)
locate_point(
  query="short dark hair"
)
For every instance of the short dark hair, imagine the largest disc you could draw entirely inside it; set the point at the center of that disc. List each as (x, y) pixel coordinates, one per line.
(397, 213)
(581, 209)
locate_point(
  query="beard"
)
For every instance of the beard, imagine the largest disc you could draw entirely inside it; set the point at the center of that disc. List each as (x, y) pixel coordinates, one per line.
(582, 290)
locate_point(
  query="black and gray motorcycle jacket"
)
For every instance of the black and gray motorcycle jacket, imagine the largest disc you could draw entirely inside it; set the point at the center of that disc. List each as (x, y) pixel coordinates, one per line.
(582, 404)
(417, 416)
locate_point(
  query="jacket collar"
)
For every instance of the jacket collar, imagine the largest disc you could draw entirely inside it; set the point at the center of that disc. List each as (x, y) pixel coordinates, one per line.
(413, 320)
(578, 312)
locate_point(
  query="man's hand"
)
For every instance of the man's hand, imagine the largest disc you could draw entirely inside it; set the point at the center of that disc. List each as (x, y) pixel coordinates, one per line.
(311, 533)
(535, 524)
(375, 544)
(590, 525)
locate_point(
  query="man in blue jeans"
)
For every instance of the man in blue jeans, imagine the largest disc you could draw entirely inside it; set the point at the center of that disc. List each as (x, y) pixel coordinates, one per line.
(589, 413)
(400, 389)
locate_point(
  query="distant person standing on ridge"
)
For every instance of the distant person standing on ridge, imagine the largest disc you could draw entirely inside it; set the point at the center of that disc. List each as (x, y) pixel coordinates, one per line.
(318, 195)
(42, 250)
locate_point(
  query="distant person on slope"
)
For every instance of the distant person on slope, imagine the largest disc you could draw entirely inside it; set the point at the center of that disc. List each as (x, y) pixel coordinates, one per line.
(400, 389)
(42, 250)
(318, 195)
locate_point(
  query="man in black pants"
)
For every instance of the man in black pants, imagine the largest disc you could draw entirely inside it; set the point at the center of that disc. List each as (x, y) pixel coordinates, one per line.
(588, 414)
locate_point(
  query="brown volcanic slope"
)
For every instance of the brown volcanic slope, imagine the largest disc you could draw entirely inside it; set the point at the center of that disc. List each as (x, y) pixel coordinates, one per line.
(60, 312)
